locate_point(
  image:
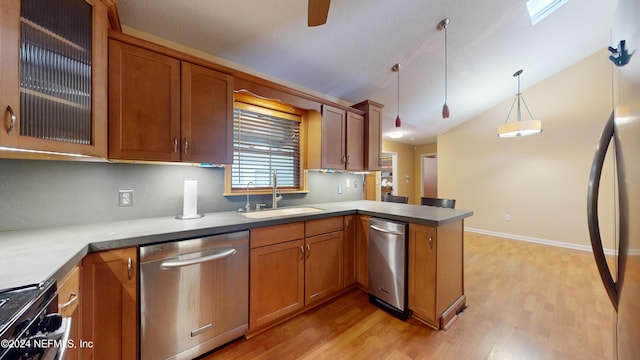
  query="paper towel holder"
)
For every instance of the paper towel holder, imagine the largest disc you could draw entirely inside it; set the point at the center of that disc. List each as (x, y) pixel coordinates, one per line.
(190, 201)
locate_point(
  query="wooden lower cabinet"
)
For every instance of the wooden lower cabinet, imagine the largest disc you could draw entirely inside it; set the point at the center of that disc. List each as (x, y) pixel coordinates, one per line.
(323, 266)
(289, 271)
(109, 304)
(362, 251)
(276, 282)
(349, 252)
(69, 306)
(436, 288)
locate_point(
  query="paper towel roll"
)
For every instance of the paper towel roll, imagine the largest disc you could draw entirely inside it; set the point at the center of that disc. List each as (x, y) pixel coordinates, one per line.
(190, 205)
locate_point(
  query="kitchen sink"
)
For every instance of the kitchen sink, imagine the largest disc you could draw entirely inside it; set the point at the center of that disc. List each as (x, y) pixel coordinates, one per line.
(281, 212)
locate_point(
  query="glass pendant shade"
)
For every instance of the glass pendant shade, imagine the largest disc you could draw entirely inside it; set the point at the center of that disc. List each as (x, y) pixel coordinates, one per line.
(398, 121)
(445, 111)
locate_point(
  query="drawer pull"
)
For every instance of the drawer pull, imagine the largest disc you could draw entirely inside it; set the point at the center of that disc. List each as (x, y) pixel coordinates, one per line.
(73, 298)
(129, 268)
(12, 117)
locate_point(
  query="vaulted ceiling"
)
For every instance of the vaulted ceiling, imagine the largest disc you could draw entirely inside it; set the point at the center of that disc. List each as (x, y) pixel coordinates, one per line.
(350, 57)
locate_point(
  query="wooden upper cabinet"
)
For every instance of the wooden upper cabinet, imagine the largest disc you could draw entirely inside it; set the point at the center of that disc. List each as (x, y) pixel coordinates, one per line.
(144, 104)
(355, 142)
(372, 133)
(333, 137)
(165, 109)
(207, 115)
(54, 76)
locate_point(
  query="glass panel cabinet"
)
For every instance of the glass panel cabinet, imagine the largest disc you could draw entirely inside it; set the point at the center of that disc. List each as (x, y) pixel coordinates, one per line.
(54, 69)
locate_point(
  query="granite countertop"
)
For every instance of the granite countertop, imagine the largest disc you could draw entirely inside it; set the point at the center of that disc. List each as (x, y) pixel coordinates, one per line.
(31, 256)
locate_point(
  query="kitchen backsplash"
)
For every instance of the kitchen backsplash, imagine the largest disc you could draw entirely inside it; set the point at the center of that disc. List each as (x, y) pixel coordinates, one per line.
(35, 194)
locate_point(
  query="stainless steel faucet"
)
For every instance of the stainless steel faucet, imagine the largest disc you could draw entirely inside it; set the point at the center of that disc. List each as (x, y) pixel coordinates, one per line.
(247, 206)
(275, 196)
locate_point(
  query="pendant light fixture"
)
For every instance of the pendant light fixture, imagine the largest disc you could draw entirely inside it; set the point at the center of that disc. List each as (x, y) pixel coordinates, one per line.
(519, 127)
(443, 25)
(396, 69)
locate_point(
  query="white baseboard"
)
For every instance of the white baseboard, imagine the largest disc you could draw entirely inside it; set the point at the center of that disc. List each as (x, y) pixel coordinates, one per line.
(537, 240)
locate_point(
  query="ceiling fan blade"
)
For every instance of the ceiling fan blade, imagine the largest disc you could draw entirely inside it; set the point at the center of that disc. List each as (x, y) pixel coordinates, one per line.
(318, 12)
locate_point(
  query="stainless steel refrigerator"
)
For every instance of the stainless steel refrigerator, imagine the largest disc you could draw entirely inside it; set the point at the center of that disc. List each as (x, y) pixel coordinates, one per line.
(622, 134)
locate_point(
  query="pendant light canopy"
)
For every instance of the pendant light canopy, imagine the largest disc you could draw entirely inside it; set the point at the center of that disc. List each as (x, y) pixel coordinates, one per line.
(519, 127)
(442, 26)
(396, 69)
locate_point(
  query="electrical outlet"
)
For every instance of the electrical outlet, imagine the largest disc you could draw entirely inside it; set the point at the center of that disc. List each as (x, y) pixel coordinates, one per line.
(348, 183)
(125, 197)
(339, 189)
(507, 217)
(355, 183)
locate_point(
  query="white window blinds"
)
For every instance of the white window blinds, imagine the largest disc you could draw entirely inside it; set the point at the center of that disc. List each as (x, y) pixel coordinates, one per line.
(264, 140)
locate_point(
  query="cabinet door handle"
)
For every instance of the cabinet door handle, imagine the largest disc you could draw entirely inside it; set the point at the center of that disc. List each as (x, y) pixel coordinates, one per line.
(73, 299)
(301, 252)
(308, 250)
(12, 118)
(129, 268)
(344, 159)
(430, 242)
(175, 144)
(186, 145)
(348, 159)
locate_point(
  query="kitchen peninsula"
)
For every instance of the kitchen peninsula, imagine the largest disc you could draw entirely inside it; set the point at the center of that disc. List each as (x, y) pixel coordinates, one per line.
(31, 256)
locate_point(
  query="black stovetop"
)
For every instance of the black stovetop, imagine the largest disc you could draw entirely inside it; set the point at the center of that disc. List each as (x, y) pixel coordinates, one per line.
(20, 306)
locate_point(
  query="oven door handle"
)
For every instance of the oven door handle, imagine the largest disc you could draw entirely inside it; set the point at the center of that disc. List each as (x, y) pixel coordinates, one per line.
(176, 262)
(62, 350)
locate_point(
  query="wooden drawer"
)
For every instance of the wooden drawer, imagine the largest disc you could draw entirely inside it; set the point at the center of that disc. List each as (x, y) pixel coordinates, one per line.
(323, 226)
(276, 234)
(69, 292)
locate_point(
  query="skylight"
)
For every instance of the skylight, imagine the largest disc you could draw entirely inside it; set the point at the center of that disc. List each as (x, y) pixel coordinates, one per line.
(539, 9)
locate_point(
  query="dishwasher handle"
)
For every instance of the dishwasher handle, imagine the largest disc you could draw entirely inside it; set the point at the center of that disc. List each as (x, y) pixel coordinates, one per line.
(376, 228)
(176, 262)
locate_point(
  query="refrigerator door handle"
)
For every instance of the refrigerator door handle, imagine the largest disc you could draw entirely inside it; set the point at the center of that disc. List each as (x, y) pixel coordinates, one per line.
(592, 211)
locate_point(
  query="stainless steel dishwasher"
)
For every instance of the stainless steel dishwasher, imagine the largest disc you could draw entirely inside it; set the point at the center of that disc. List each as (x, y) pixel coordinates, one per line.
(193, 295)
(388, 266)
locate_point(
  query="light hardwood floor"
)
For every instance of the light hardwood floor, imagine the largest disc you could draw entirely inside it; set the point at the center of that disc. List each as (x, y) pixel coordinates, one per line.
(526, 301)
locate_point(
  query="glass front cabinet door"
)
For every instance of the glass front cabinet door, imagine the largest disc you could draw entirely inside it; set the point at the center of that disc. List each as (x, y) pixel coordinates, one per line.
(53, 66)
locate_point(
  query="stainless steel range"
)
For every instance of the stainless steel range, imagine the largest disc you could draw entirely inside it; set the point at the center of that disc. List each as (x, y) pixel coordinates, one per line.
(30, 326)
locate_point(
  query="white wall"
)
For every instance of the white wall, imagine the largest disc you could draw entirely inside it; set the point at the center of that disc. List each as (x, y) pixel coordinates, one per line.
(541, 181)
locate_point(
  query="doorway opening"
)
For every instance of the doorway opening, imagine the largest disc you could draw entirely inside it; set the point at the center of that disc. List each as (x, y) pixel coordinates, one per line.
(388, 171)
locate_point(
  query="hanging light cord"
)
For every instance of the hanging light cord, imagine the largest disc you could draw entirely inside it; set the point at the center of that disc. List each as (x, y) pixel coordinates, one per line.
(442, 26)
(446, 64)
(398, 113)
